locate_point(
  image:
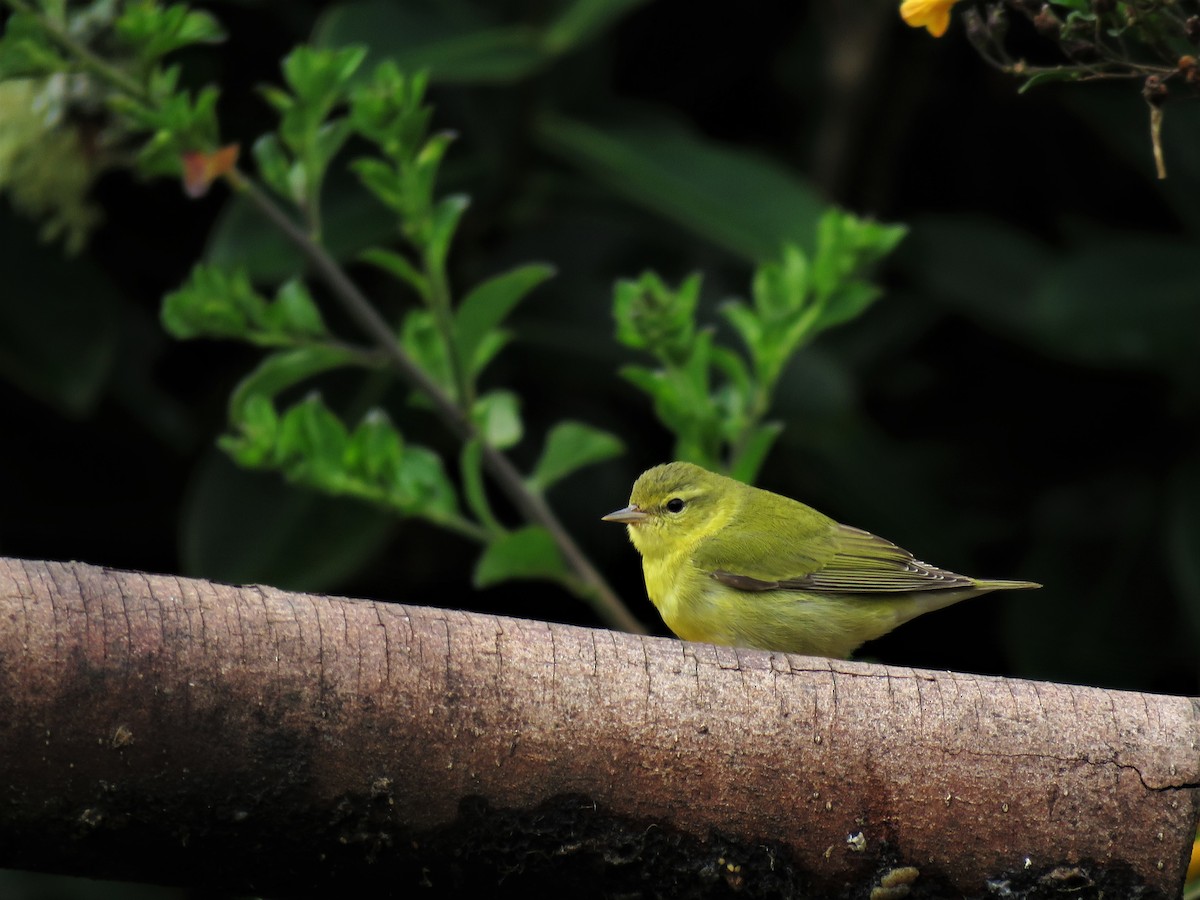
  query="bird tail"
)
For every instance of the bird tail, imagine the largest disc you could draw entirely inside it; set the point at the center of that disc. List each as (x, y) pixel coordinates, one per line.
(1005, 585)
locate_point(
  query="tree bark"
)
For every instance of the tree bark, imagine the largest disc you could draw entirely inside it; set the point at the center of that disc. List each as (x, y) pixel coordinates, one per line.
(165, 729)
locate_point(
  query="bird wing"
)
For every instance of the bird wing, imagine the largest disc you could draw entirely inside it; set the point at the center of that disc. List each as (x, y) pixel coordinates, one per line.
(841, 560)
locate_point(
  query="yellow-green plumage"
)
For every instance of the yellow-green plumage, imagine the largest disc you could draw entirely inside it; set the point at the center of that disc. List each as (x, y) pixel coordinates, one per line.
(728, 563)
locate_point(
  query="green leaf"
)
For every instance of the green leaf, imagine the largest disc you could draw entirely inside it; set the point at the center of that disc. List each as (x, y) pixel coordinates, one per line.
(328, 140)
(745, 322)
(319, 76)
(252, 445)
(454, 46)
(154, 30)
(274, 166)
(389, 110)
(652, 316)
(733, 367)
(845, 305)
(846, 247)
(283, 369)
(734, 198)
(571, 446)
(212, 303)
(524, 554)
(445, 220)
(375, 450)
(351, 221)
(26, 51)
(474, 490)
(1128, 303)
(219, 304)
(422, 487)
(398, 265)
(198, 27)
(497, 415)
(487, 305)
(382, 180)
(753, 454)
(421, 340)
(584, 20)
(978, 266)
(294, 312)
(1049, 76)
(312, 445)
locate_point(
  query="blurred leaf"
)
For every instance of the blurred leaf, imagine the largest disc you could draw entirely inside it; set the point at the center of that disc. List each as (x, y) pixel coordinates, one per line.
(497, 415)
(381, 468)
(735, 198)
(527, 553)
(474, 490)
(352, 220)
(652, 316)
(390, 110)
(847, 247)
(215, 303)
(1128, 303)
(318, 75)
(296, 313)
(254, 442)
(157, 29)
(421, 340)
(283, 369)
(571, 446)
(754, 452)
(311, 445)
(59, 321)
(487, 305)
(25, 48)
(250, 528)
(584, 20)
(399, 266)
(376, 449)
(455, 46)
(986, 269)
(446, 215)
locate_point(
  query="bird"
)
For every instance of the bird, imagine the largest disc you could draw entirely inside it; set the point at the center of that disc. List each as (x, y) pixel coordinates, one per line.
(728, 563)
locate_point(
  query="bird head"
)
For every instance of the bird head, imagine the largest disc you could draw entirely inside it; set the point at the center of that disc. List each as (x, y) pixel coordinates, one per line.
(670, 505)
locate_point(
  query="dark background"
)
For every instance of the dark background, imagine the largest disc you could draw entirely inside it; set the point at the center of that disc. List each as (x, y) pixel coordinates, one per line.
(1021, 403)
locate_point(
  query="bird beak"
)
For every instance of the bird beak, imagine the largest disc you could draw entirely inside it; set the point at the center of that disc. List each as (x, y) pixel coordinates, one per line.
(630, 515)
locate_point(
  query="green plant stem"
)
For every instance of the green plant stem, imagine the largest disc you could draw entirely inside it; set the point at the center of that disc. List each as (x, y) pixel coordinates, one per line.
(89, 60)
(439, 300)
(594, 588)
(461, 526)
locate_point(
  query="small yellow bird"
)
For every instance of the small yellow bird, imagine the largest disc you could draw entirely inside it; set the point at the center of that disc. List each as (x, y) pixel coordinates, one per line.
(727, 563)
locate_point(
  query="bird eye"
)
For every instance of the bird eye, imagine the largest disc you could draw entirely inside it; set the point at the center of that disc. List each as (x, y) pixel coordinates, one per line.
(675, 505)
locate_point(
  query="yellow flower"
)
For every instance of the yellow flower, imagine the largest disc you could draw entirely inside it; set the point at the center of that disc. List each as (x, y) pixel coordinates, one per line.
(933, 15)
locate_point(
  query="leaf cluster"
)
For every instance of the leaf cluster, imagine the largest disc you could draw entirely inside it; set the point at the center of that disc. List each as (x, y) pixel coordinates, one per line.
(322, 106)
(716, 399)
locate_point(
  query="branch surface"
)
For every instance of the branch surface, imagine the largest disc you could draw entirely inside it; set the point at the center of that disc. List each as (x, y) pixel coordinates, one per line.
(167, 729)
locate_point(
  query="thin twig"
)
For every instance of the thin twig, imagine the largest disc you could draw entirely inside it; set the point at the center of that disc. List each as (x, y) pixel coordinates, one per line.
(531, 505)
(89, 60)
(590, 584)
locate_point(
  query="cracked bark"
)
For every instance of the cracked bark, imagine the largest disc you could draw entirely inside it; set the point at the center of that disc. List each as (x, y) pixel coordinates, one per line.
(166, 729)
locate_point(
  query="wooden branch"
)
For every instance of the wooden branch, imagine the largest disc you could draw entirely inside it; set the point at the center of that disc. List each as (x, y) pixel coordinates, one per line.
(166, 729)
